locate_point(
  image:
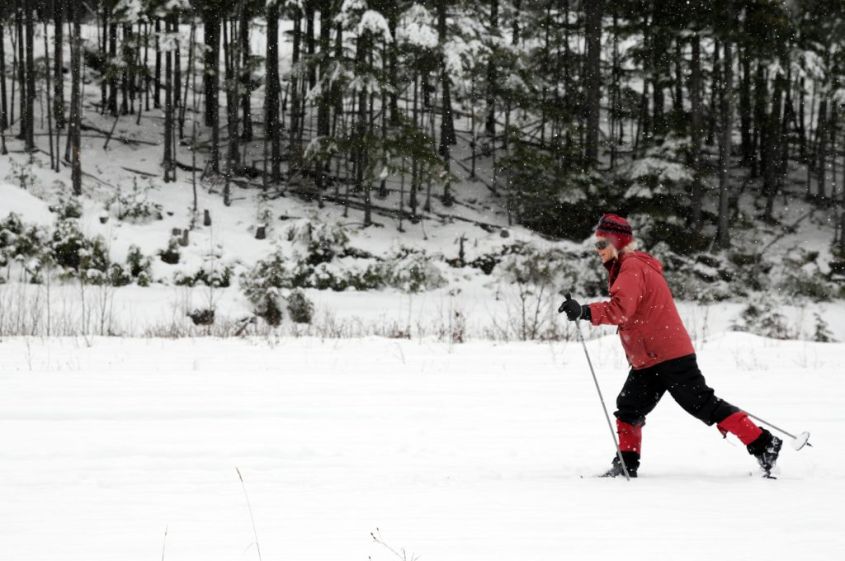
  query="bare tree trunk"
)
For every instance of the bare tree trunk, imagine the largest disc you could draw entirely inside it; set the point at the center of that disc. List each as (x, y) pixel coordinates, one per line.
(309, 42)
(759, 137)
(773, 149)
(4, 119)
(447, 125)
(177, 72)
(491, 75)
(231, 48)
(272, 87)
(592, 79)
(54, 165)
(294, 158)
(211, 83)
(745, 108)
(157, 84)
(362, 181)
(126, 56)
(723, 234)
(821, 151)
(412, 196)
(58, 63)
(29, 139)
(714, 94)
(696, 133)
(21, 57)
(391, 56)
(183, 106)
(246, 99)
(168, 108)
(678, 98)
(112, 77)
(324, 104)
(75, 97)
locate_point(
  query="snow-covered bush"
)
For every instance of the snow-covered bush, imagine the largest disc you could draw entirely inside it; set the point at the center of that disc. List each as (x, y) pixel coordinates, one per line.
(20, 241)
(22, 175)
(67, 207)
(133, 206)
(208, 276)
(761, 317)
(300, 308)
(801, 275)
(139, 266)
(118, 276)
(262, 286)
(324, 242)
(172, 254)
(76, 253)
(822, 333)
(578, 271)
(411, 270)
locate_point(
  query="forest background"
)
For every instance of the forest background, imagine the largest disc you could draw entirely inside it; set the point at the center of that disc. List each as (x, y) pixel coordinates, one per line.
(417, 147)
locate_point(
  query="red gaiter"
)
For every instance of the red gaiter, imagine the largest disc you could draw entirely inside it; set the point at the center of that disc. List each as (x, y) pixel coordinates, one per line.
(740, 425)
(630, 436)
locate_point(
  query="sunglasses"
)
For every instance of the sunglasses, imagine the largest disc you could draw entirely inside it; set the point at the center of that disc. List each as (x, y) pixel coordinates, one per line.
(603, 244)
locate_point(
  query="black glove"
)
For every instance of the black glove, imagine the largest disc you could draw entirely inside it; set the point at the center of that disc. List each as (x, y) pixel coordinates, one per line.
(573, 310)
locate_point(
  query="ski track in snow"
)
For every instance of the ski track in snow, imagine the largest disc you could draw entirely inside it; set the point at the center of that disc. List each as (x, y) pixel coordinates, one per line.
(471, 451)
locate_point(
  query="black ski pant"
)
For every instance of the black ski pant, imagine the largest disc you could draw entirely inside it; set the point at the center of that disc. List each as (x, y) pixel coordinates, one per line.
(684, 381)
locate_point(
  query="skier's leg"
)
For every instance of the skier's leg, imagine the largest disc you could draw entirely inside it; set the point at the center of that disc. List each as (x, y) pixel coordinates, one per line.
(639, 396)
(688, 387)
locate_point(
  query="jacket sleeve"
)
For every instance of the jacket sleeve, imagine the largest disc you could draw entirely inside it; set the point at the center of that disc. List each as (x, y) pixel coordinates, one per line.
(625, 295)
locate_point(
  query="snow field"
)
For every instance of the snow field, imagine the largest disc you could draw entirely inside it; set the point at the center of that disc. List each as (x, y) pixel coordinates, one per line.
(471, 451)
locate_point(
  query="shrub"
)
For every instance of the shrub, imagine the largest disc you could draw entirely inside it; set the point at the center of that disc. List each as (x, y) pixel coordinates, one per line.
(262, 287)
(118, 276)
(171, 255)
(18, 240)
(133, 206)
(214, 278)
(67, 208)
(22, 175)
(73, 251)
(761, 317)
(324, 242)
(300, 308)
(139, 265)
(411, 271)
(822, 333)
(202, 316)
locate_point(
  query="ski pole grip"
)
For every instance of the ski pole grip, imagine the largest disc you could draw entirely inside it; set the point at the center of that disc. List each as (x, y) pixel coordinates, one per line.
(568, 298)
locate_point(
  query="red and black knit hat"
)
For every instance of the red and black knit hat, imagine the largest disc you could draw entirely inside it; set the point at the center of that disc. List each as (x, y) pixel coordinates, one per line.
(616, 229)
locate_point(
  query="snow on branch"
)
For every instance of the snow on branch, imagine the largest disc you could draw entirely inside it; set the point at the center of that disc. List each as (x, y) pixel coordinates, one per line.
(375, 23)
(416, 27)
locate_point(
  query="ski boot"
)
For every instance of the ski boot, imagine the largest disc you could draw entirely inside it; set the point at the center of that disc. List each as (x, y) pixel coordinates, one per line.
(766, 449)
(632, 462)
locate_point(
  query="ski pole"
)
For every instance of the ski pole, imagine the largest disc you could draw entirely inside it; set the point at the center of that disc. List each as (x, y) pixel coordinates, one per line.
(598, 389)
(798, 442)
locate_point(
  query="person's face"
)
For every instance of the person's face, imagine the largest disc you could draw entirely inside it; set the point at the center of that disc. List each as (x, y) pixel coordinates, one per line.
(605, 249)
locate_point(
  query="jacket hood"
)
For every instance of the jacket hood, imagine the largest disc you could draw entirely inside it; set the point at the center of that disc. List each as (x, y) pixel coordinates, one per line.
(649, 260)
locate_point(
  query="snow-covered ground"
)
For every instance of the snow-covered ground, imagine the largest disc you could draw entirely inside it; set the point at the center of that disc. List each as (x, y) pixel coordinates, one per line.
(455, 452)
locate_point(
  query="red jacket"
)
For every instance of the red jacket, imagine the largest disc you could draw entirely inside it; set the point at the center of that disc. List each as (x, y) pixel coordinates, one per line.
(641, 305)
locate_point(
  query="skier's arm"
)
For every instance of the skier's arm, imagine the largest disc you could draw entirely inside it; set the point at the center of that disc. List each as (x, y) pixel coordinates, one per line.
(625, 295)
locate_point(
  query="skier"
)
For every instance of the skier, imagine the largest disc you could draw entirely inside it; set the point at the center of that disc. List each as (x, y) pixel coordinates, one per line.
(659, 351)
